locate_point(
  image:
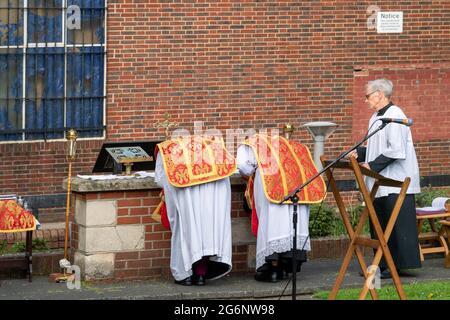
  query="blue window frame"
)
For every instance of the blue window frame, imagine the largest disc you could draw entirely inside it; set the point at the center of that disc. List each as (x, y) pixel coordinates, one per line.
(52, 68)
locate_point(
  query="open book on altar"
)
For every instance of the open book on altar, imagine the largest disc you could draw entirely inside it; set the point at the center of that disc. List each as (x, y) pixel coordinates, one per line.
(437, 205)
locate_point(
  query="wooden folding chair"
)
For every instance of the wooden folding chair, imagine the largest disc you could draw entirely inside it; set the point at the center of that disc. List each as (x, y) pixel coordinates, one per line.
(433, 241)
(356, 240)
(445, 231)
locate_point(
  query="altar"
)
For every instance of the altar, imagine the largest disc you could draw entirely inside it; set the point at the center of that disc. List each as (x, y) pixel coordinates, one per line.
(113, 235)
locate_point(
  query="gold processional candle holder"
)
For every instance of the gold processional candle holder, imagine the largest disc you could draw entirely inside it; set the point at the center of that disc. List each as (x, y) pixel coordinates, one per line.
(64, 264)
(287, 130)
(71, 154)
(71, 144)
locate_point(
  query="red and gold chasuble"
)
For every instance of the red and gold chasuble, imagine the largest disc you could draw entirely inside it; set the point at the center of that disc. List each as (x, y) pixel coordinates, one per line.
(14, 218)
(193, 160)
(285, 165)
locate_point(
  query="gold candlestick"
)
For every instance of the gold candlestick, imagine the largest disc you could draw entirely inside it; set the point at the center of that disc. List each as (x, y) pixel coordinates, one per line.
(71, 153)
(287, 130)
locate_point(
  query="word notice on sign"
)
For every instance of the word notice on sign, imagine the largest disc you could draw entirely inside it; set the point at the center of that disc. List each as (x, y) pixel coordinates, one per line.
(390, 22)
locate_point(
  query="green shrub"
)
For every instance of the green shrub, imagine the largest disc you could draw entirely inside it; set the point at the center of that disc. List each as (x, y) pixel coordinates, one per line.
(38, 244)
(19, 246)
(321, 223)
(428, 194)
(328, 221)
(3, 246)
(354, 214)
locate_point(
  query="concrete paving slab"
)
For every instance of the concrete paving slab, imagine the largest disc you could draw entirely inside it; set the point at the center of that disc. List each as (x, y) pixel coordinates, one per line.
(315, 275)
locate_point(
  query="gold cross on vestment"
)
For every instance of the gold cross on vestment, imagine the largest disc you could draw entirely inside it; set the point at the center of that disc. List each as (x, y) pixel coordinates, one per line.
(166, 124)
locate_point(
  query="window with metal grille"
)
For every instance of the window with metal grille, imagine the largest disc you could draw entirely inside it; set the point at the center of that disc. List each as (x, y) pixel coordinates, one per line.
(52, 68)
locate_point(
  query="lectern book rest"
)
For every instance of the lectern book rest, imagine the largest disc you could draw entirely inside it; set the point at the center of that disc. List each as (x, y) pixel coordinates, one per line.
(107, 162)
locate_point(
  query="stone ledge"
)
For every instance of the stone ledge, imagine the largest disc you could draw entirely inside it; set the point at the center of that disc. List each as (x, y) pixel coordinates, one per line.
(85, 185)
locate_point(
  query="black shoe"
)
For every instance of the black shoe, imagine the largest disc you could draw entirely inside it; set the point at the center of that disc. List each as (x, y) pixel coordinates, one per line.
(184, 282)
(406, 274)
(282, 275)
(199, 280)
(267, 276)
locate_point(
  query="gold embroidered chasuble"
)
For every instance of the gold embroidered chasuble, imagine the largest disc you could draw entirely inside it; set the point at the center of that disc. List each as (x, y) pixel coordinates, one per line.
(285, 165)
(14, 218)
(193, 160)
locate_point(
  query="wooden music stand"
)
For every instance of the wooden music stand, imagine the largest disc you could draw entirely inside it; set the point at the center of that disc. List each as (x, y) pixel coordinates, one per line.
(356, 240)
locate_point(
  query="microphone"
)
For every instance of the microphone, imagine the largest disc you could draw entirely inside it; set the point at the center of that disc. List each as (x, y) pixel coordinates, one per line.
(406, 122)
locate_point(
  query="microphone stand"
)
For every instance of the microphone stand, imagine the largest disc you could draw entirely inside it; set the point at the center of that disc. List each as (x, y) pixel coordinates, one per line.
(294, 199)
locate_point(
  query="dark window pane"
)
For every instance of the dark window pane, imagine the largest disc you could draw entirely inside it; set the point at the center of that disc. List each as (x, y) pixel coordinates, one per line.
(92, 14)
(48, 108)
(11, 22)
(85, 79)
(10, 92)
(44, 21)
(45, 92)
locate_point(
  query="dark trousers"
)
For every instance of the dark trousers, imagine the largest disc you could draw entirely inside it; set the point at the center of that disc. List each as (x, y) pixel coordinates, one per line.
(404, 241)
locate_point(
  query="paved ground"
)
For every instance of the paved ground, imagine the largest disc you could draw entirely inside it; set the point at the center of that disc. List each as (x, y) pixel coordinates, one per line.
(315, 275)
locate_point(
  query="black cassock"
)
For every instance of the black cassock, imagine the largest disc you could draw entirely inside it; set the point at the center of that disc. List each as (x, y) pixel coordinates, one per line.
(392, 155)
(403, 242)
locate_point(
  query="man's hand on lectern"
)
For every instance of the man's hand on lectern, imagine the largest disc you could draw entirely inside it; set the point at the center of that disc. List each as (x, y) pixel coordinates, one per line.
(353, 154)
(365, 165)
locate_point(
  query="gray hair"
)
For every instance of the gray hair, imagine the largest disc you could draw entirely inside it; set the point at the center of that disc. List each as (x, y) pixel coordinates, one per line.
(383, 85)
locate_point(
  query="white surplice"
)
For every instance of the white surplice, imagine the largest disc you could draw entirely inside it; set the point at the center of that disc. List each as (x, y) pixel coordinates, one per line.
(200, 220)
(394, 141)
(275, 226)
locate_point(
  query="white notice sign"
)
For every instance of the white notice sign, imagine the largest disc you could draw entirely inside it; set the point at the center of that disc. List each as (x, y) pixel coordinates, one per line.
(390, 22)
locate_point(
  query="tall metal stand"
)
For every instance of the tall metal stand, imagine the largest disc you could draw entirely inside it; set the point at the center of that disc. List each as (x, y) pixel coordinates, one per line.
(294, 248)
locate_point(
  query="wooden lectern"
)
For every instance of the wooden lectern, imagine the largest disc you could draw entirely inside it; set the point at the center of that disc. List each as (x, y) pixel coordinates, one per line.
(356, 240)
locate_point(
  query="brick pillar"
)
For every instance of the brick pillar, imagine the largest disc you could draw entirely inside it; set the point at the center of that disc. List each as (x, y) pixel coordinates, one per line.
(99, 235)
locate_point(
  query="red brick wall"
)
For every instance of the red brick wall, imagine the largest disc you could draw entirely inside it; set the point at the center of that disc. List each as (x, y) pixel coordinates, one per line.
(422, 91)
(253, 64)
(136, 207)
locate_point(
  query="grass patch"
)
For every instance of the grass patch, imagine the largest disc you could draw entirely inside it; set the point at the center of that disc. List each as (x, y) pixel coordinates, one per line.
(433, 290)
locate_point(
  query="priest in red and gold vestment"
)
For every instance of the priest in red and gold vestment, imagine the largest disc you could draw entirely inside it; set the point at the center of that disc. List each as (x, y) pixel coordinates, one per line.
(194, 174)
(276, 167)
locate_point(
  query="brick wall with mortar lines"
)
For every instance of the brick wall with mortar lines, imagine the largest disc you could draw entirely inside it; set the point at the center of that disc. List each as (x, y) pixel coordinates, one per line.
(422, 91)
(249, 64)
(135, 208)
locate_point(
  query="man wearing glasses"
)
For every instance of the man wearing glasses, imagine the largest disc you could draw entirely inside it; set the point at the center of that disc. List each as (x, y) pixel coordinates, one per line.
(391, 153)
